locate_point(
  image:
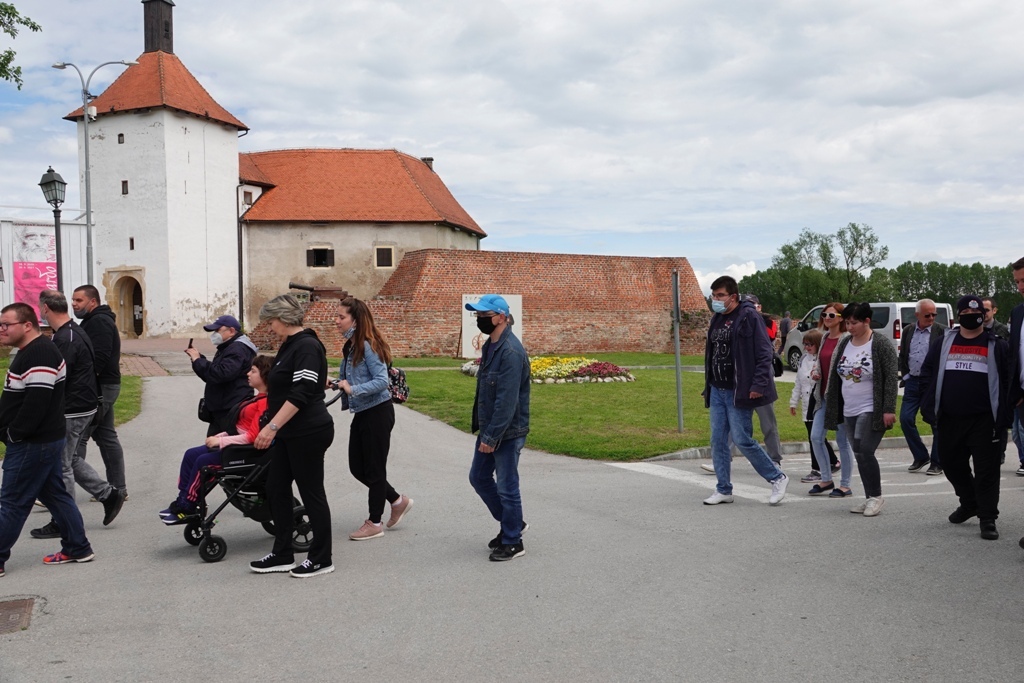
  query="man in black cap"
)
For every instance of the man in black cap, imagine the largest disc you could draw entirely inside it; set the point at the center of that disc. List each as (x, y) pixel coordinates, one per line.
(225, 375)
(965, 377)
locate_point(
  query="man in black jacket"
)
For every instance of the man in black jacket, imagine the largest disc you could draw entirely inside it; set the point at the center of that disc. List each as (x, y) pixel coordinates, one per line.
(100, 323)
(226, 382)
(80, 400)
(914, 343)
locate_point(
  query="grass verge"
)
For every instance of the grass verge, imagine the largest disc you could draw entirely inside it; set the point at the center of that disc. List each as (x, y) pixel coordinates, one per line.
(606, 421)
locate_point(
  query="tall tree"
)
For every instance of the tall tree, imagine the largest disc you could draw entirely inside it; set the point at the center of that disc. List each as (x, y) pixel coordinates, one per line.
(10, 20)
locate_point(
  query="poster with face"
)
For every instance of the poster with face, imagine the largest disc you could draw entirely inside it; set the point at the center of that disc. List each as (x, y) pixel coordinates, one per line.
(34, 263)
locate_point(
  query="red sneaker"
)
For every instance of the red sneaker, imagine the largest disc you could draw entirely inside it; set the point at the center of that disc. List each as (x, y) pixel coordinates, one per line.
(61, 558)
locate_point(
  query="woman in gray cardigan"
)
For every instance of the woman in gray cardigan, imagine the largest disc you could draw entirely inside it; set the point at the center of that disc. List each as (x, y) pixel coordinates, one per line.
(862, 391)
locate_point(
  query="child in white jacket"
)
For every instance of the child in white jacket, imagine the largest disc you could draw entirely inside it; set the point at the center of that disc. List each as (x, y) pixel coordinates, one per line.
(802, 398)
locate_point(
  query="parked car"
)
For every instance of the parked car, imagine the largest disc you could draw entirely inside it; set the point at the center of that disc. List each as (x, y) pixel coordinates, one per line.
(888, 318)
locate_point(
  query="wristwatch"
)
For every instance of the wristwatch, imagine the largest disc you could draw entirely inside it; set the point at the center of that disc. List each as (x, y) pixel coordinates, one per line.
(273, 427)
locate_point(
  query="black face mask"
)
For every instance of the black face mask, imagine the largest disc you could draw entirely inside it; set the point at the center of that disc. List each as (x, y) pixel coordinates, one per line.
(485, 325)
(971, 321)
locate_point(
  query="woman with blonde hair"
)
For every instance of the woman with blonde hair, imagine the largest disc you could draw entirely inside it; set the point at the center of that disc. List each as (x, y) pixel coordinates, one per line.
(298, 430)
(364, 379)
(831, 326)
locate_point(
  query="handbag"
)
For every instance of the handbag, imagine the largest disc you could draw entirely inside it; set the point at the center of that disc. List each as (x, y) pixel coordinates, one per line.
(397, 385)
(777, 364)
(203, 412)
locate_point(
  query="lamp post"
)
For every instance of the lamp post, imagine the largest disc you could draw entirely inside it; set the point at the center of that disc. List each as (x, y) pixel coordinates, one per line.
(86, 97)
(53, 189)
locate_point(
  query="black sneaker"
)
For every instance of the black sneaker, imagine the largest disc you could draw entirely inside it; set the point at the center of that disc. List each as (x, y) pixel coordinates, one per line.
(959, 516)
(112, 505)
(496, 541)
(272, 563)
(918, 466)
(308, 569)
(51, 530)
(2, 572)
(934, 471)
(988, 530)
(507, 552)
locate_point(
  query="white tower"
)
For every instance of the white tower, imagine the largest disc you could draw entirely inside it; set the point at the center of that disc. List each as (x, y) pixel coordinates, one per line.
(164, 173)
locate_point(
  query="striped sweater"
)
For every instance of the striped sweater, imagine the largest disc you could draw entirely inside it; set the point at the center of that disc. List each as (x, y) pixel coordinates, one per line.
(32, 403)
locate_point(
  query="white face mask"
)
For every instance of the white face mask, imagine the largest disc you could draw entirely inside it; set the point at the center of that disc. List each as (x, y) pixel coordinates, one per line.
(216, 338)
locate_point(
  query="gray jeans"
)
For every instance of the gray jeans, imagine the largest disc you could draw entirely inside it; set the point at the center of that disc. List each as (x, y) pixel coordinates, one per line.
(105, 437)
(76, 470)
(770, 429)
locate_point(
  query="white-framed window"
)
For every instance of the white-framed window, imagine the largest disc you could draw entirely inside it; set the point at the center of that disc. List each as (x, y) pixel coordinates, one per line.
(384, 257)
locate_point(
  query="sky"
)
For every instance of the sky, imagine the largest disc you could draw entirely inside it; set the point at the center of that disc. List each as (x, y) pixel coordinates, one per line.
(714, 131)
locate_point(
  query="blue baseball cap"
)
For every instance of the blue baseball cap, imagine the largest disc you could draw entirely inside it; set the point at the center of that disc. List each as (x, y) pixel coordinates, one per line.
(223, 321)
(489, 302)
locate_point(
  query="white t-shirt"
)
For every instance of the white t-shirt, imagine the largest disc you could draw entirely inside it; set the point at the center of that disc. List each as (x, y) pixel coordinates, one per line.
(857, 375)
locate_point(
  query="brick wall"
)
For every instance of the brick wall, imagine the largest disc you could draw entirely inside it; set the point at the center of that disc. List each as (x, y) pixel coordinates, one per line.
(572, 303)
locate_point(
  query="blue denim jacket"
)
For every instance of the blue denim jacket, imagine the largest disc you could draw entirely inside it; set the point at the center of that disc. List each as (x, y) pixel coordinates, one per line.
(501, 407)
(368, 379)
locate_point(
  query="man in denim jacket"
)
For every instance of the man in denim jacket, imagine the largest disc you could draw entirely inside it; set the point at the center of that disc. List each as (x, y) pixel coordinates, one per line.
(501, 413)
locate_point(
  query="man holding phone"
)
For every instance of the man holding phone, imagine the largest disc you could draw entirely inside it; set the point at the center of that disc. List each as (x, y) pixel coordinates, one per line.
(225, 374)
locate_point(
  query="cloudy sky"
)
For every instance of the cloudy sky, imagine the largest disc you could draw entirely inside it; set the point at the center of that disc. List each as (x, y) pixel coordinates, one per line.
(706, 129)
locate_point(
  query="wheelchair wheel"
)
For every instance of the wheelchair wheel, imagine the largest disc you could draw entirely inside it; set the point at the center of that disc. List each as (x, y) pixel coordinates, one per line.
(302, 532)
(193, 534)
(213, 549)
(268, 525)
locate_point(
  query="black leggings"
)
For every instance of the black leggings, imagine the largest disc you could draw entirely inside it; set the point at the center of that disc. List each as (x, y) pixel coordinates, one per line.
(368, 445)
(300, 459)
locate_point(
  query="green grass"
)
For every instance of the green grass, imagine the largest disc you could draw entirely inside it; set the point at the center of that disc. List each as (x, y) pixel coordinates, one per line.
(607, 421)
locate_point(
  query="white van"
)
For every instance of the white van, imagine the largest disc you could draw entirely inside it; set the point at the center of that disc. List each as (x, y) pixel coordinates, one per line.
(888, 318)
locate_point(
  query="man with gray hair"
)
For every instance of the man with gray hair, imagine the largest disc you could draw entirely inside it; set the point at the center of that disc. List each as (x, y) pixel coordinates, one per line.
(914, 343)
(80, 405)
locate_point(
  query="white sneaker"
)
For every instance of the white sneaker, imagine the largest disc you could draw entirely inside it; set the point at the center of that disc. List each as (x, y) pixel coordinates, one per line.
(778, 490)
(873, 506)
(716, 498)
(859, 508)
(708, 467)
(1020, 472)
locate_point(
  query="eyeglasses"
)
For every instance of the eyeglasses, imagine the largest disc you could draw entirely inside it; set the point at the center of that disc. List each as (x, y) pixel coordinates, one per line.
(486, 314)
(830, 315)
(4, 326)
(928, 315)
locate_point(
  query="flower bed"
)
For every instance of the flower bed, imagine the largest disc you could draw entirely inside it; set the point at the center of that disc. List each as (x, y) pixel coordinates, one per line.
(566, 370)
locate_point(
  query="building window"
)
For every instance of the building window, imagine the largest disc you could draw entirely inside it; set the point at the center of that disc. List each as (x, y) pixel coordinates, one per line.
(384, 257)
(320, 258)
(124, 187)
(131, 244)
(247, 198)
(120, 138)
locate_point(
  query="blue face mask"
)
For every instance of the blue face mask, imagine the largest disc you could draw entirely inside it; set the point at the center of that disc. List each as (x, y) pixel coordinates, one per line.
(717, 306)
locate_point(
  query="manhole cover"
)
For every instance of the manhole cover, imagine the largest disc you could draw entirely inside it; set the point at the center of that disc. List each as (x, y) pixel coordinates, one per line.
(15, 615)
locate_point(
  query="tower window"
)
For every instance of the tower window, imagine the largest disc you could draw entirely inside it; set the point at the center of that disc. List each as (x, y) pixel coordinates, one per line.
(131, 244)
(120, 138)
(384, 257)
(124, 187)
(320, 258)
(247, 198)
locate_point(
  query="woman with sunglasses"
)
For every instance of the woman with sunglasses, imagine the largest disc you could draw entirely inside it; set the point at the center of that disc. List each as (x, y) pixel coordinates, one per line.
(862, 392)
(801, 396)
(831, 326)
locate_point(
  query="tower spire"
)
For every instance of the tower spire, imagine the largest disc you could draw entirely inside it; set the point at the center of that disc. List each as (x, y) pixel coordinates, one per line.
(159, 25)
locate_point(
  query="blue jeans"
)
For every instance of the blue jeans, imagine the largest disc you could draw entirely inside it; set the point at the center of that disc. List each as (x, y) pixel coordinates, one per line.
(1018, 435)
(501, 496)
(821, 453)
(30, 471)
(729, 421)
(913, 392)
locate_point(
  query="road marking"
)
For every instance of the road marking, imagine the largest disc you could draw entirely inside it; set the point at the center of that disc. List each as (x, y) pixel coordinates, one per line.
(704, 481)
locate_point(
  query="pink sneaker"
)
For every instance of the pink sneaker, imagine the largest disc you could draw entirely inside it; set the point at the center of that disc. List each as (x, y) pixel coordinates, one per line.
(367, 531)
(398, 510)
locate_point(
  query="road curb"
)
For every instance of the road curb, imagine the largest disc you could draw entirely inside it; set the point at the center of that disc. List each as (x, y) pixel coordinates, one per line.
(789, 448)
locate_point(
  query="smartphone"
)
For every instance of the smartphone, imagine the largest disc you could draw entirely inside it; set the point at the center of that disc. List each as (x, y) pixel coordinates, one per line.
(189, 343)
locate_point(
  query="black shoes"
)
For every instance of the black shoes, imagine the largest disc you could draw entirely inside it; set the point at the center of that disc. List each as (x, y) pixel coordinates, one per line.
(272, 563)
(496, 541)
(988, 530)
(504, 553)
(51, 530)
(934, 471)
(308, 569)
(959, 516)
(918, 466)
(112, 505)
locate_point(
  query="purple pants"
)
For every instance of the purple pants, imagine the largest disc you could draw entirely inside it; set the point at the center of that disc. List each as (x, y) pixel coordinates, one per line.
(192, 463)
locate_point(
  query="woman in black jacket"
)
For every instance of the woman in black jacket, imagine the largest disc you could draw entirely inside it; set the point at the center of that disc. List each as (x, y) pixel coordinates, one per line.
(299, 432)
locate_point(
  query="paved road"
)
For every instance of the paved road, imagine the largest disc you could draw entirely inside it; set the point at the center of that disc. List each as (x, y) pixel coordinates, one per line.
(627, 577)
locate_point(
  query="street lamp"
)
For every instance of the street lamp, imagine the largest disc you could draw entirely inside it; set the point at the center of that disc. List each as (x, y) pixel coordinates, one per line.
(86, 97)
(53, 189)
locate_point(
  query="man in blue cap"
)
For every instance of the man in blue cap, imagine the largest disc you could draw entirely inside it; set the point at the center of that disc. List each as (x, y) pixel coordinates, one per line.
(225, 375)
(501, 413)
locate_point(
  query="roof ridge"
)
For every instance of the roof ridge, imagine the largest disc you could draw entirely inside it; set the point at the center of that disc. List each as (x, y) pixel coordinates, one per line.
(408, 172)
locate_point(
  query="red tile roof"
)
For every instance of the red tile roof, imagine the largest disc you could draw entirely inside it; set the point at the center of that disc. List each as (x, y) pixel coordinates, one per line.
(336, 185)
(159, 80)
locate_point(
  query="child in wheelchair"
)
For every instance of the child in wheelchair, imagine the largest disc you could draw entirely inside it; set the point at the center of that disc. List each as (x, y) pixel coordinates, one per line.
(245, 417)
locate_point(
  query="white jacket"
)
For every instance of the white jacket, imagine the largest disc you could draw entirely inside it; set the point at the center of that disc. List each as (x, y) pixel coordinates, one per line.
(803, 386)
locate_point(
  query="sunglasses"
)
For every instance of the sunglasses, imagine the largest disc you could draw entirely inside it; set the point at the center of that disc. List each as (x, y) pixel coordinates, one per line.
(830, 315)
